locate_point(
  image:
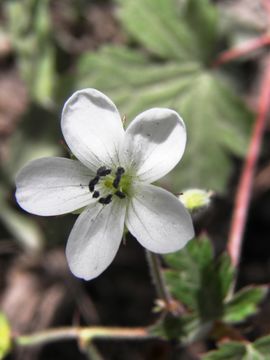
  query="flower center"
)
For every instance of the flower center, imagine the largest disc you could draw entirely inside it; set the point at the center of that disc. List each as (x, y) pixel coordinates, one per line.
(109, 183)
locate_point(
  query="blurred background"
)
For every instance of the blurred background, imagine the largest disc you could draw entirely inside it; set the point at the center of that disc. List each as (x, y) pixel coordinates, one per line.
(142, 54)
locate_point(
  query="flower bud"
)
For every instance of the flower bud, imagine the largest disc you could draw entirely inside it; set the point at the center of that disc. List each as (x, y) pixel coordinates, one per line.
(195, 199)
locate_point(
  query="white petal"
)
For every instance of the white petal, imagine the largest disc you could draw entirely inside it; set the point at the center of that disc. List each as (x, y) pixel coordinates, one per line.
(158, 220)
(53, 186)
(154, 143)
(95, 239)
(92, 128)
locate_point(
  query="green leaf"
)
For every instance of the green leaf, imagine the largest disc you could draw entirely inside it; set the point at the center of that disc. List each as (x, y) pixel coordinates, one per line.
(244, 303)
(262, 345)
(21, 227)
(186, 328)
(184, 279)
(202, 283)
(156, 24)
(28, 23)
(183, 30)
(5, 336)
(228, 351)
(196, 255)
(233, 350)
(202, 18)
(30, 141)
(199, 281)
(218, 124)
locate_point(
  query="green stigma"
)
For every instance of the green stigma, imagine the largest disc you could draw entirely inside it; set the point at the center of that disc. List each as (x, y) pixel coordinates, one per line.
(118, 182)
(108, 182)
(125, 184)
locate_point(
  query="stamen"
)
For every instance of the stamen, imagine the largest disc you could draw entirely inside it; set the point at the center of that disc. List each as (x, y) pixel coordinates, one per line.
(120, 194)
(102, 171)
(120, 171)
(116, 181)
(92, 183)
(105, 200)
(96, 194)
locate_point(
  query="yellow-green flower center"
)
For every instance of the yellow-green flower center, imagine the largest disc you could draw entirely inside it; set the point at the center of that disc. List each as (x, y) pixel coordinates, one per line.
(110, 183)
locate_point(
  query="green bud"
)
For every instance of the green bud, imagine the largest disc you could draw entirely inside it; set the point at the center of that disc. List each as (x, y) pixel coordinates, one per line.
(195, 199)
(5, 337)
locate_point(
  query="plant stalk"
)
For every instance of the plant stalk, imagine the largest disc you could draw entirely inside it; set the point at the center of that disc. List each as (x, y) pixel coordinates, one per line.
(158, 280)
(244, 190)
(83, 334)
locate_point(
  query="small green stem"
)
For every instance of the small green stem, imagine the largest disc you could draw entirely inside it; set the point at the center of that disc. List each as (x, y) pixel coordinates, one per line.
(92, 352)
(84, 335)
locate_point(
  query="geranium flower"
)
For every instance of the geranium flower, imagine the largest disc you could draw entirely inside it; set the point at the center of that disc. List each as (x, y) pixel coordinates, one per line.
(111, 181)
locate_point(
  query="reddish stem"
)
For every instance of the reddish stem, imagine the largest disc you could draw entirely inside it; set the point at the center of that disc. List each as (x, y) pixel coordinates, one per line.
(246, 181)
(244, 49)
(266, 5)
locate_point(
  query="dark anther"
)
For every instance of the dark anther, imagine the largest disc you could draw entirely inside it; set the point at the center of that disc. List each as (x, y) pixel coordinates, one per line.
(106, 200)
(119, 171)
(96, 194)
(116, 181)
(102, 171)
(120, 194)
(92, 183)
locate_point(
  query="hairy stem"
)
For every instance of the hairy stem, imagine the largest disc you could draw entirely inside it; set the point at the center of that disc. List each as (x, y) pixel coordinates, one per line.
(163, 294)
(157, 276)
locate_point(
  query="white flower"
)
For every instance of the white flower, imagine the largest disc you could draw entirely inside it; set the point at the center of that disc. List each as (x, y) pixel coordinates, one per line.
(111, 180)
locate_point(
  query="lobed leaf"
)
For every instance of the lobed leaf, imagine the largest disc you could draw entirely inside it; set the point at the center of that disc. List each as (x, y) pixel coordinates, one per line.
(233, 350)
(244, 303)
(199, 281)
(202, 283)
(227, 351)
(183, 30)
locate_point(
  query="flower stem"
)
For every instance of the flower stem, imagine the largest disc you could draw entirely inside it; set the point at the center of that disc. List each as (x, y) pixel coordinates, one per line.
(92, 352)
(246, 181)
(157, 277)
(83, 334)
(162, 292)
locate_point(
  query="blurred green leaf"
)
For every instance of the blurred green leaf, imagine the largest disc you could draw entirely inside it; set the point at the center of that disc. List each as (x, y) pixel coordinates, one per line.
(217, 122)
(157, 26)
(233, 350)
(244, 303)
(202, 18)
(183, 30)
(186, 328)
(227, 351)
(20, 226)
(5, 336)
(262, 345)
(28, 23)
(37, 136)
